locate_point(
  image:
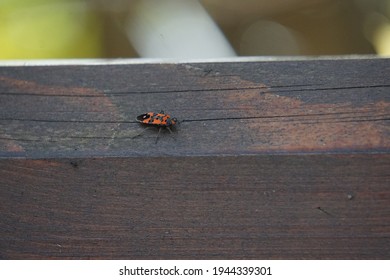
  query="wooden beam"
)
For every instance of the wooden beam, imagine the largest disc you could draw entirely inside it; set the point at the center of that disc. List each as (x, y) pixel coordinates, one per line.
(271, 160)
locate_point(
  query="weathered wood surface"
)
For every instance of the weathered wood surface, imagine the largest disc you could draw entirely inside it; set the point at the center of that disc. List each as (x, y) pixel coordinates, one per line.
(273, 160)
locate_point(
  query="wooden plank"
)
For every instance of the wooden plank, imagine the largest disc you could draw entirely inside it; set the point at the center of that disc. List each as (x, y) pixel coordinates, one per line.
(296, 106)
(312, 206)
(286, 159)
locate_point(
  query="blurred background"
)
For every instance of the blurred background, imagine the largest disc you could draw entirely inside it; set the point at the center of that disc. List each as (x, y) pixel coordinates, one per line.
(55, 29)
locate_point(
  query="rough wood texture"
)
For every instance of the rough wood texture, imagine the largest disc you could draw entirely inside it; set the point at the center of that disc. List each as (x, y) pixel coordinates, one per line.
(272, 160)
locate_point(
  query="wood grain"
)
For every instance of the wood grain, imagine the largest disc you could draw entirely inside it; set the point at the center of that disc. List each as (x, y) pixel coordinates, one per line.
(272, 160)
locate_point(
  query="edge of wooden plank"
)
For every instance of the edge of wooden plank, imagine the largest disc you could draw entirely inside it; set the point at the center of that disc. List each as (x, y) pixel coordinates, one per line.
(120, 61)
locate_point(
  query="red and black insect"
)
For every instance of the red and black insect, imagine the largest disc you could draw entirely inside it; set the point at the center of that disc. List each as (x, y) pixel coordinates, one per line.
(160, 120)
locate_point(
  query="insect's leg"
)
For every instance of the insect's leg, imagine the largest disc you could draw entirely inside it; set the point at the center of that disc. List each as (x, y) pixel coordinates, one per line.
(174, 138)
(158, 134)
(139, 134)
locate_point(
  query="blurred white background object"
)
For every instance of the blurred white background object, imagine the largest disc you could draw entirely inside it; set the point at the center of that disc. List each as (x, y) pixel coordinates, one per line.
(175, 29)
(200, 29)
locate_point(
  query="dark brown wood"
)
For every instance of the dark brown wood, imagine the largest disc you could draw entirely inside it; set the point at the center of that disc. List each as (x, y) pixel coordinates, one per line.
(272, 160)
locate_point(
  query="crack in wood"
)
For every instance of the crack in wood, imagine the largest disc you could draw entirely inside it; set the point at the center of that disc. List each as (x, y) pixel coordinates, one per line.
(358, 118)
(270, 87)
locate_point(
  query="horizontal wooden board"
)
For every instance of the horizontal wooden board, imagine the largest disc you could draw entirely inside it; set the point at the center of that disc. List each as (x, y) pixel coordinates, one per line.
(271, 160)
(225, 108)
(252, 207)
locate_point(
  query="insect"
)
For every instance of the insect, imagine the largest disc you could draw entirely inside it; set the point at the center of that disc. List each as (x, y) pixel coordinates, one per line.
(160, 120)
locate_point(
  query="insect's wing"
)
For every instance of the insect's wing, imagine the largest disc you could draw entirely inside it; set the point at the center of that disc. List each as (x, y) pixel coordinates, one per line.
(143, 117)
